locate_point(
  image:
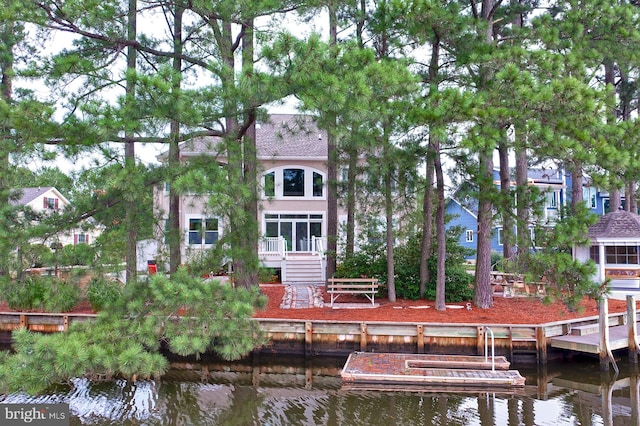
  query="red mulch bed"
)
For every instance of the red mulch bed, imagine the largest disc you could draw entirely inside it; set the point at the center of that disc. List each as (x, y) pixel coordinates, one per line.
(517, 310)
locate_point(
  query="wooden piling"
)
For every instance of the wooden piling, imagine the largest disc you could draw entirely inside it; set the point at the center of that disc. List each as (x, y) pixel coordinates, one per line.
(634, 346)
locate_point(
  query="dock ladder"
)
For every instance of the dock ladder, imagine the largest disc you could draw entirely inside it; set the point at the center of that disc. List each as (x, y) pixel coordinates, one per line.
(493, 348)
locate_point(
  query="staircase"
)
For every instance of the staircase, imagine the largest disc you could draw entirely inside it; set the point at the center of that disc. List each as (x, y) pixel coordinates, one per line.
(300, 268)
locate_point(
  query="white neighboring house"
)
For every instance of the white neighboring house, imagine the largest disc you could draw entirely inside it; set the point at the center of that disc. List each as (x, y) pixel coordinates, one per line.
(49, 199)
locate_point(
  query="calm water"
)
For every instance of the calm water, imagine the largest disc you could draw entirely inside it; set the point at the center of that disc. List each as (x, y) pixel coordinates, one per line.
(277, 391)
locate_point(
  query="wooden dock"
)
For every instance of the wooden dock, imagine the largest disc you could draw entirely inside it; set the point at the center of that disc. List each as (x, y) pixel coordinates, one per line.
(429, 370)
(589, 342)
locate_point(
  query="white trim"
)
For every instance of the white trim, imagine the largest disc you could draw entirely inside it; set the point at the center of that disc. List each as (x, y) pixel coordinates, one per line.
(202, 217)
(466, 235)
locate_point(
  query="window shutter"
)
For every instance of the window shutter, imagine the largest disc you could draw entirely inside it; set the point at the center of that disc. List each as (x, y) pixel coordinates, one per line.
(55, 203)
(75, 239)
(86, 238)
(44, 202)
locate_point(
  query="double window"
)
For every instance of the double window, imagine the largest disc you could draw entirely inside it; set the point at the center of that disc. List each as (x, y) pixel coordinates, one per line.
(292, 182)
(469, 235)
(202, 231)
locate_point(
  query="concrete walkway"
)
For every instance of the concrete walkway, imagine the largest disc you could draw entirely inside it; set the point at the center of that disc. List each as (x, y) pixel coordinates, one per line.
(301, 296)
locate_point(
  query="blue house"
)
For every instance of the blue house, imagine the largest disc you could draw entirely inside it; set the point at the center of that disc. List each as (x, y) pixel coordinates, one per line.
(554, 187)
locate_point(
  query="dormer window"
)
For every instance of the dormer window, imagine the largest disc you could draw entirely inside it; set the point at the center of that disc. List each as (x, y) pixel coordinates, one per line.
(50, 203)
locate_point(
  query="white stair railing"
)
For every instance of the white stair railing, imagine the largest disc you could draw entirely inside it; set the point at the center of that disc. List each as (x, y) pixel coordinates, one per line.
(317, 245)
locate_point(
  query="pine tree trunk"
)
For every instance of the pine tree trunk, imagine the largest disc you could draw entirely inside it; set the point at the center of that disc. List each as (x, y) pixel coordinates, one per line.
(352, 176)
(332, 170)
(175, 253)
(427, 202)
(247, 273)
(576, 187)
(427, 224)
(441, 233)
(391, 286)
(506, 202)
(131, 218)
(483, 297)
(6, 91)
(615, 198)
(523, 235)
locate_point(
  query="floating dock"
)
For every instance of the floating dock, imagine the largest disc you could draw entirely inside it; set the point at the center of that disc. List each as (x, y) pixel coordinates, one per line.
(369, 368)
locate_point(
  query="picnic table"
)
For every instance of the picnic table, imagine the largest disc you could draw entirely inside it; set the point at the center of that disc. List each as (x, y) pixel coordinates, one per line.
(505, 280)
(513, 284)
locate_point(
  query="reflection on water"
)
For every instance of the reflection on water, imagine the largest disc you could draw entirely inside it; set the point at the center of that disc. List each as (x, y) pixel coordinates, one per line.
(303, 392)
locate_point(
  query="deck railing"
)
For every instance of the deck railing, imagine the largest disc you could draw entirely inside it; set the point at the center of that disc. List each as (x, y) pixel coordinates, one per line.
(277, 246)
(273, 246)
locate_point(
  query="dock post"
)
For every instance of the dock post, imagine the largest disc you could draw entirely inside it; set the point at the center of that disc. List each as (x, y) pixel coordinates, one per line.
(363, 337)
(480, 341)
(308, 338)
(604, 351)
(541, 341)
(634, 347)
(420, 339)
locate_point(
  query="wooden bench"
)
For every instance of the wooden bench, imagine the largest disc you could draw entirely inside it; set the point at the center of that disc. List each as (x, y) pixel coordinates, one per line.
(365, 286)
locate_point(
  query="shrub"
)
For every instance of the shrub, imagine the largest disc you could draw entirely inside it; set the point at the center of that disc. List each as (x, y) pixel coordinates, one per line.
(267, 275)
(458, 283)
(102, 292)
(60, 295)
(37, 255)
(25, 295)
(79, 254)
(371, 261)
(40, 293)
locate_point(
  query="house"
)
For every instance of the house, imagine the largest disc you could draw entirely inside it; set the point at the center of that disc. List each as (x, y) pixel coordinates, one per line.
(292, 220)
(50, 200)
(553, 185)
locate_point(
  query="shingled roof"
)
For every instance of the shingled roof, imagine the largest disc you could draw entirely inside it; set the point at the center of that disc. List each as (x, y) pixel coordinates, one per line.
(282, 135)
(619, 224)
(288, 135)
(29, 194)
